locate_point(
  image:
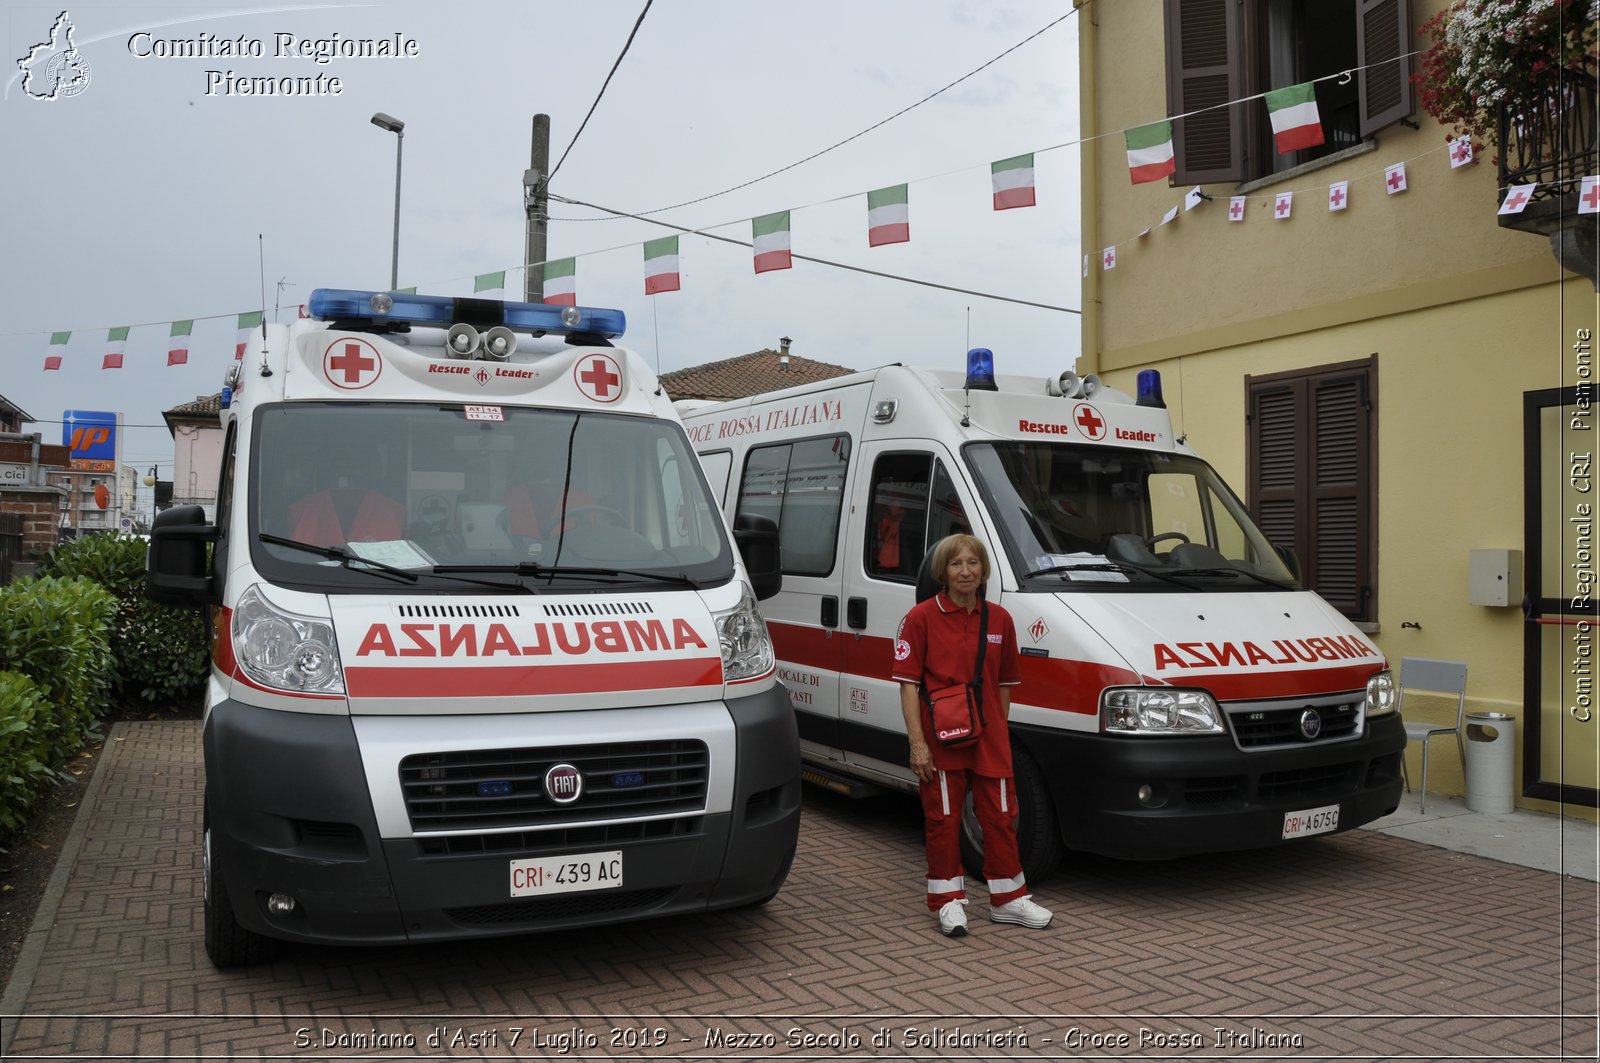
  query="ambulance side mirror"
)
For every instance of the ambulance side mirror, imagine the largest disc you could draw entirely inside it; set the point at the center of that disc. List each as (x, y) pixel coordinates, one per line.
(757, 538)
(176, 568)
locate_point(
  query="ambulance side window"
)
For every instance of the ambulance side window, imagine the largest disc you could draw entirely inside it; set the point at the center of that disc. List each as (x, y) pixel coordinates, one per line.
(800, 486)
(913, 504)
(717, 465)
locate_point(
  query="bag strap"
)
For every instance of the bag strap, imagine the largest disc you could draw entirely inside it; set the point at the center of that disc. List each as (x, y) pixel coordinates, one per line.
(983, 645)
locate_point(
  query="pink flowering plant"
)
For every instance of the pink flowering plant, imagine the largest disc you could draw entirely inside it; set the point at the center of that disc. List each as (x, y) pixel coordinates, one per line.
(1488, 53)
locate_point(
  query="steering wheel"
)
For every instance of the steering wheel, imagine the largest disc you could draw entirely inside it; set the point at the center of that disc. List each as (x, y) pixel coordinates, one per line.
(1164, 536)
(611, 515)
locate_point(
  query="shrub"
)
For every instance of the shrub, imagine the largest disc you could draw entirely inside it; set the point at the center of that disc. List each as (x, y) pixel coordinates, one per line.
(25, 761)
(55, 632)
(161, 651)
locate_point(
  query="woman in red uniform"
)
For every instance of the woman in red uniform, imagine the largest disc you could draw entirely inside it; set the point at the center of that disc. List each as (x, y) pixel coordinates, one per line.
(938, 647)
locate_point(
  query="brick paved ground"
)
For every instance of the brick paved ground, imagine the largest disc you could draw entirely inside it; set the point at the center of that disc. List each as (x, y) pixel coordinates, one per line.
(1358, 945)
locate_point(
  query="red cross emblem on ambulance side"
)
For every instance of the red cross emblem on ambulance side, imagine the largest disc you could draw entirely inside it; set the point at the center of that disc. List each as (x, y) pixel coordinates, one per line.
(599, 377)
(351, 363)
(1089, 421)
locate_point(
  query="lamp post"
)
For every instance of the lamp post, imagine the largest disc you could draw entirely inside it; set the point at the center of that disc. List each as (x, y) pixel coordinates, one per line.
(150, 482)
(397, 127)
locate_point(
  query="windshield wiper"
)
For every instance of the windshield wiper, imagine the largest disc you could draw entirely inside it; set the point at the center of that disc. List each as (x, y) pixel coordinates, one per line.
(1258, 577)
(357, 563)
(617, 575)
(1109, 566)
(343, 556)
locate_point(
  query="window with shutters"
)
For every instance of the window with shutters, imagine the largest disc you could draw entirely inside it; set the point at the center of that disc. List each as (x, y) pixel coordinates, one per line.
(1220, 51)
(1311, 453)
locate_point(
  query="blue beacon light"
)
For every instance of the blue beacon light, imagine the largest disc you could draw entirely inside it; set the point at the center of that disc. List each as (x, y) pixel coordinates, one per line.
(1150, 389)
(380, 308)
(980, 370)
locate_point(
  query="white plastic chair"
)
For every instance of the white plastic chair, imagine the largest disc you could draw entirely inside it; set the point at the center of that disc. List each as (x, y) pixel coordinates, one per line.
(1423, 674)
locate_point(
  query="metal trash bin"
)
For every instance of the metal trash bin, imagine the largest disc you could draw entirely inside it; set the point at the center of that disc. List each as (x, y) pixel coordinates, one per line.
(1491, 743)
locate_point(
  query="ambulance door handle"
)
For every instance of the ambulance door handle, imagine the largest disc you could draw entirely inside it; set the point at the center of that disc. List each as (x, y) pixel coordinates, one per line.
(855, 612)
(830, 611)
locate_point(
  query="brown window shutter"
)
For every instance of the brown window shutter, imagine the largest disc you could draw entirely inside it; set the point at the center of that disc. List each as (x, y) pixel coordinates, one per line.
(1338, 481)
(1383, 33)
(1276, 452)
(1203, 70)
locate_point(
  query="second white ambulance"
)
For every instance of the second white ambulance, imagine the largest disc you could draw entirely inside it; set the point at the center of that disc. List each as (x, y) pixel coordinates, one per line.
(1181, 692)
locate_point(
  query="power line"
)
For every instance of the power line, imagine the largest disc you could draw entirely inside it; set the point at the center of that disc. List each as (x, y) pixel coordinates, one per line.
(848, 139)
(637, 23)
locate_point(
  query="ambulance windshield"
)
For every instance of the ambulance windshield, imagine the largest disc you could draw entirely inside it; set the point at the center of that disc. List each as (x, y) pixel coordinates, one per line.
(1076, 517)
(518, 496)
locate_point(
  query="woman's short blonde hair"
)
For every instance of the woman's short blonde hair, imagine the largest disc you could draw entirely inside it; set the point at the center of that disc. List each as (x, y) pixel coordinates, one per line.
(945, 550)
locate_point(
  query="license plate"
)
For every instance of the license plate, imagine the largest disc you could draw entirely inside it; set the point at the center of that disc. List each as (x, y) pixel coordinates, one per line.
(1311, 821)
(566, 874)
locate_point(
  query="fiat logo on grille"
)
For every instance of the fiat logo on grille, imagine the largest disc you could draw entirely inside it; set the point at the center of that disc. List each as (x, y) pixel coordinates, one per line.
(1310, 723)
(563, 784)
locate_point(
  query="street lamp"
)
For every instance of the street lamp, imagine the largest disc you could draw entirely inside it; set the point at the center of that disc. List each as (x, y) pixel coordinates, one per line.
(397, 127)
(150, 482)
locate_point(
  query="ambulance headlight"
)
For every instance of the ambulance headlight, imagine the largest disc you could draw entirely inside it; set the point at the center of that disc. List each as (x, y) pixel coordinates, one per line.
(746, 646)
(283, 650)
(1159, 711)
(1382, 698)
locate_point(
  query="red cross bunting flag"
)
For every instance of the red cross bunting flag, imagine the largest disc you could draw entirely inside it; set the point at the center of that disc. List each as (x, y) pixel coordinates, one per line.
(1589, 196)
(1283, 206)
(1394, 179)
(1108, 258)
(1460, 151)
(1236, 208)
(1338, 195)
(1517, 197)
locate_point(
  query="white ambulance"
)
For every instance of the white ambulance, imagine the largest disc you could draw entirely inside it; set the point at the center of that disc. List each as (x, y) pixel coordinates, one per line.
(1181, 692)
(485, 658)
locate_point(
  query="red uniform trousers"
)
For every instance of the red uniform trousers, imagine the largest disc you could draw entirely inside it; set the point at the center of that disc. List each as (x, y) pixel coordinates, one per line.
(996, 802)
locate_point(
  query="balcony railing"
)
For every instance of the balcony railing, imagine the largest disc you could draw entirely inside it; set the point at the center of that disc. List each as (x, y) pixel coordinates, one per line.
(1549, 141)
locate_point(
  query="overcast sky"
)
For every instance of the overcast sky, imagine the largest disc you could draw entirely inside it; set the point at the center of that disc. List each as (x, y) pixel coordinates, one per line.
(154, 194)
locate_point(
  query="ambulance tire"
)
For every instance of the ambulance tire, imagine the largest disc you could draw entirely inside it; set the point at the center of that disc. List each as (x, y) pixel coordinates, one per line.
(227, 943)
(1038, 834)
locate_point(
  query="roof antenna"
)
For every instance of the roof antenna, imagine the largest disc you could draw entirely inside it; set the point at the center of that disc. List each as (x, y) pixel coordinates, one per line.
(261, 259)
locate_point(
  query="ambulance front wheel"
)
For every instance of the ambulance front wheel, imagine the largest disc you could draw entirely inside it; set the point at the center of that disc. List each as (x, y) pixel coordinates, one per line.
(1038, 833)
(227, 943)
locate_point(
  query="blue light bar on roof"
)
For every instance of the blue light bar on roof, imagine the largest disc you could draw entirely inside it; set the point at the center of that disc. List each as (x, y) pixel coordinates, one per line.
(442, 311)
(980, 370)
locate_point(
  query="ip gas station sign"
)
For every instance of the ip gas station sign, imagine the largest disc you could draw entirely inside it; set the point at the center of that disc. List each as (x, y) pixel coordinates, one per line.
(91, 435)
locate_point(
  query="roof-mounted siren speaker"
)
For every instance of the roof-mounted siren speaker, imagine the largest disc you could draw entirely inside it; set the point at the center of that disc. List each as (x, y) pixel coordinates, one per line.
(462, 341)
(1071, 385)
(1091, 384)
(499, 343)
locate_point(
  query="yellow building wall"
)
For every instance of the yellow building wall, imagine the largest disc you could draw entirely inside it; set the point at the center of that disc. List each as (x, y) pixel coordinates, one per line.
(1464, 317)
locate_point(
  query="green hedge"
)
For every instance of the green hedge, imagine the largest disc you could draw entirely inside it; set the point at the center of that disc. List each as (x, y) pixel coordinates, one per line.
(162, 652)
(55, 678)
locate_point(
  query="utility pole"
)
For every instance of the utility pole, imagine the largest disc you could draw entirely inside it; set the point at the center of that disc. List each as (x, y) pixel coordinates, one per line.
(536, 202)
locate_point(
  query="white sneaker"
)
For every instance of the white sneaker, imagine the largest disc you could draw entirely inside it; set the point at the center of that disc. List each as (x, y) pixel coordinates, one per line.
(953, 919)
(1023, 912)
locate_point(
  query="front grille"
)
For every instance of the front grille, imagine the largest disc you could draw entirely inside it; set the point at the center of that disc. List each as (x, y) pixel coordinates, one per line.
(490, 789)
(1277, 724)
(560, 840)
(606, 902)
(1210, 791)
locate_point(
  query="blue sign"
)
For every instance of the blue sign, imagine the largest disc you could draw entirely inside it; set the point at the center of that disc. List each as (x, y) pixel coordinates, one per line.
(91, 434)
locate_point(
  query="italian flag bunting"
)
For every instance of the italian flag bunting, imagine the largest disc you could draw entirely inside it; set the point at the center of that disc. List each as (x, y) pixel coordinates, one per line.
(561, 282)
(248, 323)
(485, 282)
(1013, 182)
(178, 345)
(888, 216)
(58, 347)
(1150, 155)
(1295, 122)
(661, 265)
(116, 340)
(770, 237)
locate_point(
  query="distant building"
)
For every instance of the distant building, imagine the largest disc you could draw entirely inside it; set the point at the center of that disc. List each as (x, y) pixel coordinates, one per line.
(12, 416)
(749, 374)
(196, 429)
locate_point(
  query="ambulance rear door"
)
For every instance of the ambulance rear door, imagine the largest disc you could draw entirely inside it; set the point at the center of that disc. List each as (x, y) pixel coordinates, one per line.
(905, 500)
